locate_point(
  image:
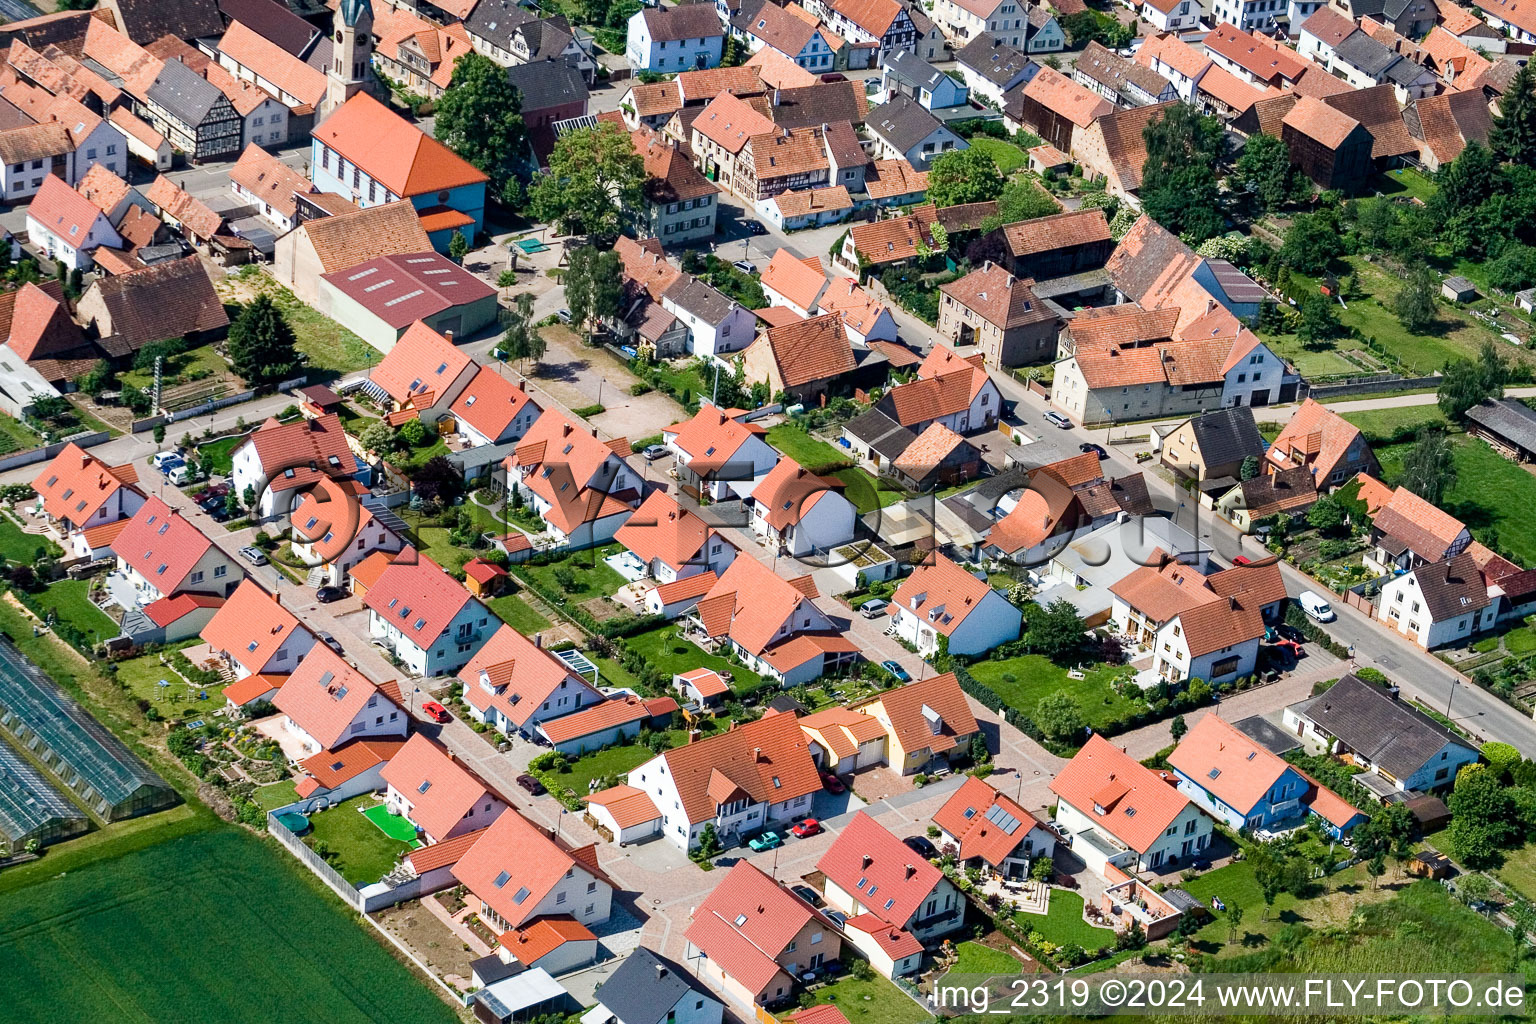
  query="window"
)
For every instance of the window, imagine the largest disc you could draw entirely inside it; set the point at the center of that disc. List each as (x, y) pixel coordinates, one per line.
(197, 577)
(219, 571)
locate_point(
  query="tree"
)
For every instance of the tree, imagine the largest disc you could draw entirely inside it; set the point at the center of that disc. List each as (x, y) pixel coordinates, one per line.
(1177, 728)
(1465, 184)
(1514, 269)
(979, 752)
(1251, 467)
(413, 433)
(1056, 631)
(1058, 716)
(1501, 757)
(261, 342)
(1265, 170)
(1023, 199)
(1319, 321)
(1311, 243)
(506, 279)
(594, 183)
(1465, 383)
(1376, 867)
(1415, 303)
(1513, 137)
(1185, 154)
(458, 246)
(1326, 515)
(1234, 920)
(578, 286)
(963, 176)
(709, 842)
(98, 378)
(1374, 224)
(437, 479)
(377, 436)
(1483, 818)
(1429, 470)
(607, 286)
(479, 117)
(522, 340)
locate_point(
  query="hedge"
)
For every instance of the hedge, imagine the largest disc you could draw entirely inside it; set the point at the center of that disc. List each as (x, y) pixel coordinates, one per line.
(1294, 616)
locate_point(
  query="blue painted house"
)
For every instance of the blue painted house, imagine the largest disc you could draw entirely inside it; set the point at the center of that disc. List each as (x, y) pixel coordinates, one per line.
(1238, 780)
(371, 155)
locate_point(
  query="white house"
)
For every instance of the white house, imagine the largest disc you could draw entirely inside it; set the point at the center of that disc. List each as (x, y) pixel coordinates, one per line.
(670, 543)
(256, 635)
(337, 535)
(688, 37)
(903, 128)
(647, 988)
(493, 410)
(65, 226)
(518, 873)
(426, 617)
(719, 454)
(1439, 602)
(807, 42)
(956, 393)
(429, 788)
(941, 599)
(1006, 21)
(279, 461)
(884, 26)
(326, 702)
(989, 830)
(865, 318)
(161, 552)
(83, 497)
(717, 325)
(577, 484)
(512, 684)
(1248, 15)
(798, 513)
(1173, 15)
(1115, 811)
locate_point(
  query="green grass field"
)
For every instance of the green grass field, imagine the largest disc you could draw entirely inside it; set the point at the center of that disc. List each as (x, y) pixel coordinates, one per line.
(17, 546)
(1021, 682)
(810, 452)
(142, 676)
(1380, 423)
(330, 348)
(613, 761)
(1063, 923)
(364, 854)
(216, 926)
(218, 456)
(669, 655)
(1006, 155)
(876, 1001)
(16, 436)
(865, 491)
(974, 958)
(515, 612)
(201, 358)
(594, 577)
(1519, 870)
(70, 600)
(1492, 496)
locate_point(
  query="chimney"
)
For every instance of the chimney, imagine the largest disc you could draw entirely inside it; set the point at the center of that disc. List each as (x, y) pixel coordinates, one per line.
(986, 266)
(775, 95)
(277, 598)
(85, 459)
(867, 860)
(565, 431)
(911, 870)
(757, 753)
(538, 640)
(661, 971)
(1210, 305)
(1008, 285)
(449, 336)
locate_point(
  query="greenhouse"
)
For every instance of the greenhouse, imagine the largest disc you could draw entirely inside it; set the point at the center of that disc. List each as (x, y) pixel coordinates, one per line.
(105, 775)
(31, 807)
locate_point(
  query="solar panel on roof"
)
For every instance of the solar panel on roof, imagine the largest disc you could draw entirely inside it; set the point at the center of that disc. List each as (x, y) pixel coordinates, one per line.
(1003, 820)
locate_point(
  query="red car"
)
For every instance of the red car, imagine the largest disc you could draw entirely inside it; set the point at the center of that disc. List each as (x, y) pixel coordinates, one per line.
(807, 828)
(832, 782)
(1242, 560)
(436, 711)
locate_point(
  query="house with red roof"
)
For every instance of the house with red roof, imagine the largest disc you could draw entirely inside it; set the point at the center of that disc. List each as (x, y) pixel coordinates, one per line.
(334, 527)
(255, 635)
(955, 392)
(425, 616)
(842, 740)
(941, 599)
(798, 513)
(719, 453)
(670, 543)
(896, 901)
(492, 409)
(627, 813)
(794, 282)
(741, 781)
(604, 724)
(991, 831)
(279, 462)
(423, 373)
(554, 944)
(379, 299)
(372, 156)
(928, 724)
(1332, 448)
(519, 873)
(753, 939)
(430, 788)
(85, 500)
(161, 552)
(1193, 629)
(771, 624)
(352, 769)
(1119, 814)
(512, 684)
(172, 619)
(326, 702)
(581, 486)
(66, 226)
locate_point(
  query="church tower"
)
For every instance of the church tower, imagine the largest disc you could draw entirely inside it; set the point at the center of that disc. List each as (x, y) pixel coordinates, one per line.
(351, 48)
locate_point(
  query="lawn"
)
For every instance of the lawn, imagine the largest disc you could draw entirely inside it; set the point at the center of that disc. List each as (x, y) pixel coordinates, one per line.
(217, 926)
(218, 456)
(142, 677)
(594, 577)
(1063, 923)
(876, 1001)
(515, 612)
(364, 854)
(612, 761)
(1006, 155)
(1492, 496)
(815, 455)
(16, 436)
(1385, 423)
(669, 654)
(18, 546)
(275, 795)
(974, 958)
(1404, 183)
(864, 490)
(1518, 871)
(329, 347)
(1022, 681)
(70, 601)
(202, 359)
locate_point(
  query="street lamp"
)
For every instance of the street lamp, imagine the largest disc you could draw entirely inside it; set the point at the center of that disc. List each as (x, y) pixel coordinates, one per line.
(1450, 698)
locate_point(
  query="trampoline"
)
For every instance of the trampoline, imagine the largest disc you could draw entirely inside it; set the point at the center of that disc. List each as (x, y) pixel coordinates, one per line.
(392, 825)
(529, 246)
(294, 822)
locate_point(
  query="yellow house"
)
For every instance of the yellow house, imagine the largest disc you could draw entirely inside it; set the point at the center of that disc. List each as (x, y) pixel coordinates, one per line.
(924, 722)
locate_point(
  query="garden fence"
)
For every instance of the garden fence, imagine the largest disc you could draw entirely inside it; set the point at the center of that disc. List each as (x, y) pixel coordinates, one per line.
(310, 859)
(48, 451)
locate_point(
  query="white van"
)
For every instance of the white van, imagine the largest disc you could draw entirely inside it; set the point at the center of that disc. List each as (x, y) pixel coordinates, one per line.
(179, 475)
(1315, 606)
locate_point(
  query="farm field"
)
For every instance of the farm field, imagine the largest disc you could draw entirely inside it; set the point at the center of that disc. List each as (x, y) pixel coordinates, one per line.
(1492, 495)
(215, 926)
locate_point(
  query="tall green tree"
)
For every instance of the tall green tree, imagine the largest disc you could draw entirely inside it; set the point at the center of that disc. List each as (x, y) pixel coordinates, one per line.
(578, 286)
(1429, 470)
(1311, 243)
(479, 117)
(522, 340)
(1059, 716)
(963, 176)
(262, 343)
(1186, 153)
(1465, 382)
(1023, 199)
(594, 183)
(607, 285)
(1319, 320)
(458, 246)
(1414, 304)
(1514, 127)
(1265, 170)
(1055, 631)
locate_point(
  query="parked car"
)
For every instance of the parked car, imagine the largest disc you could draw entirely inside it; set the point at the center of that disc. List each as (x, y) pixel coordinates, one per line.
(1242, 560)
(252, 555)
(1290, 632)
(874, 607)
(921, 846)
(179, 474)
(1314, 605)
(895, 669)
(834, 77)
(563, 315)
(1088, 447)
(837, 917)
(161, 459)
(436, 711)
(766, 841)
(756, 228)
(325, 595)
(653, 452)
(531, 784)
(1057, 418)
(215, 507)
(746, 267)
(331, 642)
(807, 828)
(832, 783)
(808, 894)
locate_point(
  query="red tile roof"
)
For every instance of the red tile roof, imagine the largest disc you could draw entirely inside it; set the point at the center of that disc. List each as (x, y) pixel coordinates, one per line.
(767, 759)
(729, 123)
(896, 880)
(940, 694)
(813, 349)
(421, 361)
(161, 545)
(1059, 94)
(965, 816)
(392, 151)
(1137, 803)
(481, 571)
(749, 603)
(526, 861)
(627, 805)
(330, 768)
(417, 597)
(324, 695)
(800, 280)
(251, 626)
(300, 453)
(1319, 434)
(63, 211)
(941, 594)
(542, 936)
(1317, 120)
(523, 676)
(441, 791)
(246, 690)
(1058, 231)
(490, 402)
(610, 714)
(444, 854)
(1227, 763)
(747, 922)
(842, 730)
(75, 485)
(789, 491)
(663, 529)
(711, 438)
